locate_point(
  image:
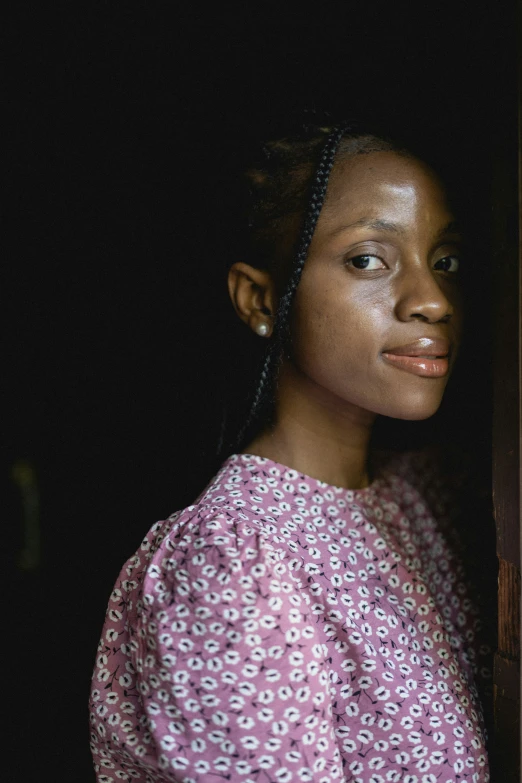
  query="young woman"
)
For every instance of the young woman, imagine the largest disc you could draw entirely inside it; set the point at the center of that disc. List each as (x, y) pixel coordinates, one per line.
(307, 618)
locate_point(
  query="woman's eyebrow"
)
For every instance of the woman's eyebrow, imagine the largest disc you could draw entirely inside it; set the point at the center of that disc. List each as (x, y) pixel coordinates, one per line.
(376, 223)
(387, 225)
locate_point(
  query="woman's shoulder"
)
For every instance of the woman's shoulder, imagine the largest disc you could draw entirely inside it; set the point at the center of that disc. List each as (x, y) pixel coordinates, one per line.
(440, 473)
(203, 542)
(452, 482)
(199, 524)
(223, 515)
(452, 461)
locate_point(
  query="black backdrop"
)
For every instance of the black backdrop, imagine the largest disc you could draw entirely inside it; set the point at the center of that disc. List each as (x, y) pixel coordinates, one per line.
(124, 133)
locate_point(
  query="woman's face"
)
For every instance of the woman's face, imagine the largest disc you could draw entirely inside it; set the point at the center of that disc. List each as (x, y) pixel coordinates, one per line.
(380, 275)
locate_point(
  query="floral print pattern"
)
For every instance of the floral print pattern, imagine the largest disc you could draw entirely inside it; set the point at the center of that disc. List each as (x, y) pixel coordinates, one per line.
(281, 630)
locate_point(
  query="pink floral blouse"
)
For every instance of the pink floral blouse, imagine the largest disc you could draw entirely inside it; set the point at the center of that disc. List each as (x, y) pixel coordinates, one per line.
(281, 629)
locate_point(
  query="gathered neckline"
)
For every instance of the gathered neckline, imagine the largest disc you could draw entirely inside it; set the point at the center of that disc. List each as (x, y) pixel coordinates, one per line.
(254, 459)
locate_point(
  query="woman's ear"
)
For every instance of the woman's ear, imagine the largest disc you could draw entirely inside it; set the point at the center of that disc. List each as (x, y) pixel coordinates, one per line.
(252, 292)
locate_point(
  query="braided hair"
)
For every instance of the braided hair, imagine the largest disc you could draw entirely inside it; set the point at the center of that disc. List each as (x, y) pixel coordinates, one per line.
(290, 186)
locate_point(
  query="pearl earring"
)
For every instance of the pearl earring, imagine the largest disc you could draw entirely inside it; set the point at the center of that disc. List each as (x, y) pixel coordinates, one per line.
(262, 329)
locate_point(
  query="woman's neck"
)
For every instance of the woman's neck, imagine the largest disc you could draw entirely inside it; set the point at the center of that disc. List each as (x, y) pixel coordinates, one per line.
(317, 435)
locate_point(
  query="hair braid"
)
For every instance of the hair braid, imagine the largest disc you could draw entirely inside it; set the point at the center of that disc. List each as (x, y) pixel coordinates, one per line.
(281, 325)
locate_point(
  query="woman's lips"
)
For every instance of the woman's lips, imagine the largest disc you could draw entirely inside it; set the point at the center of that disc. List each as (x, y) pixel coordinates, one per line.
(427, 357)
(418, 365)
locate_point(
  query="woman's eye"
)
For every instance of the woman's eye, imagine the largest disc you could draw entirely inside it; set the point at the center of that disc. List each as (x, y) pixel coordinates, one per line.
(367, 262)
(448, 264)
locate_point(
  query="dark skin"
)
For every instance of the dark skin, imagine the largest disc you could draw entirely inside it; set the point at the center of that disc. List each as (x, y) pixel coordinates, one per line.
(364, 289)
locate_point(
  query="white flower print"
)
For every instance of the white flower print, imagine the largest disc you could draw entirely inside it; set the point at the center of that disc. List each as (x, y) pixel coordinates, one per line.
(246, 633)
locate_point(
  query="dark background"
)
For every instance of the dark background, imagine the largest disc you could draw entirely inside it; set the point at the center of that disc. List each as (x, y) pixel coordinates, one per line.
(125, 132)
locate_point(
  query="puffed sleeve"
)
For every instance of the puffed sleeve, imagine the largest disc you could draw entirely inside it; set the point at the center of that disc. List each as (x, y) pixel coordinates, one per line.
(229, 664)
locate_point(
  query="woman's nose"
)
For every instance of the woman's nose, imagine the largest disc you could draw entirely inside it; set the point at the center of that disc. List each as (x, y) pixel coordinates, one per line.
(420, 295)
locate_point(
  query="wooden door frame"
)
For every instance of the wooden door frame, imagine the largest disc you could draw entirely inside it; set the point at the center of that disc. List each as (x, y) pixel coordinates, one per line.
(507, 418)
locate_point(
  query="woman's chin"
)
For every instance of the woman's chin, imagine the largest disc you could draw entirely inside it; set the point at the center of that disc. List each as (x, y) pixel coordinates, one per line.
(414, 410)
